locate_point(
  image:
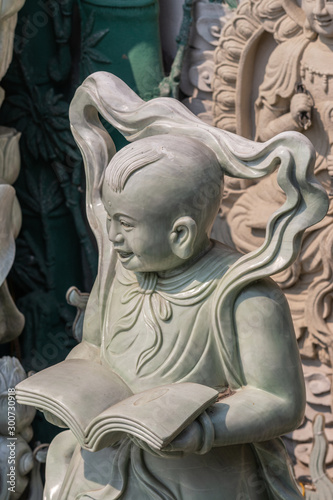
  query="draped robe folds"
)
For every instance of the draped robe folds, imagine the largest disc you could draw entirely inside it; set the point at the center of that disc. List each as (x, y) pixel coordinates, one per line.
(158, 331)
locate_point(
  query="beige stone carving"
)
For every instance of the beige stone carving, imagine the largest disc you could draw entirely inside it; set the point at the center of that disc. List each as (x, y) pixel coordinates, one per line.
(198, 68)
(274, 73)
(11, 320)
(18, 464)
(8, 20)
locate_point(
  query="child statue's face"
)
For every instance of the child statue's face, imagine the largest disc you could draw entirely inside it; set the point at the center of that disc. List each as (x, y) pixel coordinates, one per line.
(139, 224)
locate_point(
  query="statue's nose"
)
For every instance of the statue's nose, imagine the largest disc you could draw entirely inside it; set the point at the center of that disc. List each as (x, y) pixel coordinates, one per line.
(115, 236)
(119, 238)
(319, 7)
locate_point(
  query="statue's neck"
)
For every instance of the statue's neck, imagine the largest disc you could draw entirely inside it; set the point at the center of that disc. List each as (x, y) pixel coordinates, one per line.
(324, 43)
(189, 263)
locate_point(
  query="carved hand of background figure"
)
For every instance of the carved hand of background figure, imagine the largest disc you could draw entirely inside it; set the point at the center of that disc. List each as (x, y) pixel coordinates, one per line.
(300, 107)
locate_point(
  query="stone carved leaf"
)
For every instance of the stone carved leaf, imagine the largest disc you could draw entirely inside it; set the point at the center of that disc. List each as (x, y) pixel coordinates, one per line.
(43, 121)
(89, 54)
(97, 56)
(30, 268)
(20, 101)
(50, 195)
(53, 199)
(46, 140)
(35, 197)
(30, 195)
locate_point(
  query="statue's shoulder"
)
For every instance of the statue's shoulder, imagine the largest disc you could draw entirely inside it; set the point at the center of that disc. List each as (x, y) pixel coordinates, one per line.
(263, 306)
(291, 47)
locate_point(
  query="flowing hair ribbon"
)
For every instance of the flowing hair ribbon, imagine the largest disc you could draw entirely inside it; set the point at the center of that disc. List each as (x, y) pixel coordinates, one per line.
(306, 201)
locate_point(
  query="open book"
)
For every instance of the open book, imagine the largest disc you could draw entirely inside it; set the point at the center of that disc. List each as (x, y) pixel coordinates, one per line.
(97, 405)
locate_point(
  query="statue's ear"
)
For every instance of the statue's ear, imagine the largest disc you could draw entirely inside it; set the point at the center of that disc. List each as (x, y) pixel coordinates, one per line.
(182, 237)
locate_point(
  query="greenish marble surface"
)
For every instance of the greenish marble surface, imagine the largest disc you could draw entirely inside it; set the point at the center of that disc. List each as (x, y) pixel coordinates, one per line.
(169, 305)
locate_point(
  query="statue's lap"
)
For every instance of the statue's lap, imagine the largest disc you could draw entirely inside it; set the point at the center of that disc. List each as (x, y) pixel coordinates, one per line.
(231, 470)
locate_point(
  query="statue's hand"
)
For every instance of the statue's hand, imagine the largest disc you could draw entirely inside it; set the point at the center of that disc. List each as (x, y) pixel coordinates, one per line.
(190, 440)
(54, 420)
(300, 109)
(198, 437)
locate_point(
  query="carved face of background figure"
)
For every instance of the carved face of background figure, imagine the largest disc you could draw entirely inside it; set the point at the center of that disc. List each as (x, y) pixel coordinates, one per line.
(319, 14)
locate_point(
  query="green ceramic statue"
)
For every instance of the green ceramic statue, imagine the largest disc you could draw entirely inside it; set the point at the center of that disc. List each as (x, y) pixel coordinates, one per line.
(169, 305)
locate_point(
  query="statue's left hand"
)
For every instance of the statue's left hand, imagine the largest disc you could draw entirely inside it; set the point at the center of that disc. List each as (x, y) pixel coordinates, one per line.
(188, 441)
(198, 437)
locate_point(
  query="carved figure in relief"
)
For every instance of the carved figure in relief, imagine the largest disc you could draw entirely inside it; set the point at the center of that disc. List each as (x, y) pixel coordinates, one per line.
(198, 68)
(296, 93)
(169, 305)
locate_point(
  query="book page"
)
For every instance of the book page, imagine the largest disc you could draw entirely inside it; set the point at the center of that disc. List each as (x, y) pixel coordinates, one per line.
(160, 413)
(76, 388)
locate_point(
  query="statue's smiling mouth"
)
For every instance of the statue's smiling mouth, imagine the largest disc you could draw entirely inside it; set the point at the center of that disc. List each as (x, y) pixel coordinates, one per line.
(124, 255)
(323, 21)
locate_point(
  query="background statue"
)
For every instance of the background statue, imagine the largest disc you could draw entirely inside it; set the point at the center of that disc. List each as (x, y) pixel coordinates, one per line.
(170, 305)
(8, 20)
(16, 457)
(198, 68)
(19, 466)
(295, 93)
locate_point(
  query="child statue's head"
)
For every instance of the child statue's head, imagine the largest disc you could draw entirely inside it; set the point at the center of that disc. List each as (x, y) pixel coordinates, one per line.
(162, 195)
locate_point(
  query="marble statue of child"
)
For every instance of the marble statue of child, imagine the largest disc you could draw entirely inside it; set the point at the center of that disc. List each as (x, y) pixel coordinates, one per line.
(171, 305)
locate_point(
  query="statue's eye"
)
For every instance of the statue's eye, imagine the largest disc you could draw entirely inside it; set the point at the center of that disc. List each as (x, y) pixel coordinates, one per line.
(126, 225)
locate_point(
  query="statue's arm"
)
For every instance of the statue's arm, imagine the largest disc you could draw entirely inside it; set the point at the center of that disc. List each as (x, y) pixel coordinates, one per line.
(273, 121)
(284, 117)
(283, 104)
(272, 400)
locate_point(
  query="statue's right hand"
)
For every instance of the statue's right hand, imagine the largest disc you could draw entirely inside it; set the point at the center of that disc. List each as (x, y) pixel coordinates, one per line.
(300, 109)
(54, 420)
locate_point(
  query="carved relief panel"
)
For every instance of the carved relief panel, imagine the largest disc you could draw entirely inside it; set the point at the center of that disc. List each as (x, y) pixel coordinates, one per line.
(272, 75)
